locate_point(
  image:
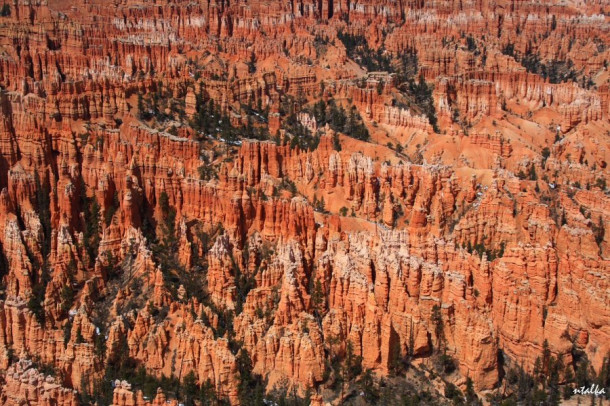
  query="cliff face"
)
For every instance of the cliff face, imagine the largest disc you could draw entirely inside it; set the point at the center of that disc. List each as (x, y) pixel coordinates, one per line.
(143, 230)
(25, 384)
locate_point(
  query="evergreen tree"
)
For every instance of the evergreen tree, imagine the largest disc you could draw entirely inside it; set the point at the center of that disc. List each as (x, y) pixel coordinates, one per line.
(471, 396)
(92, 219)
(6, 10)
(317, 299)
(251, 388)
(190, 390)
(252, 63)
(352, 364)
(424, 100)
(367, 386)
(439, 330)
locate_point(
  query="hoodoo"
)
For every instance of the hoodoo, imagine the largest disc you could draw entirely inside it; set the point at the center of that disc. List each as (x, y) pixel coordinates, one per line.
(308, 202)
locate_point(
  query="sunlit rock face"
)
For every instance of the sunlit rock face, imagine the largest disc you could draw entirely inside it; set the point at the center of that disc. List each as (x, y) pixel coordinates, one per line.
(186, 186)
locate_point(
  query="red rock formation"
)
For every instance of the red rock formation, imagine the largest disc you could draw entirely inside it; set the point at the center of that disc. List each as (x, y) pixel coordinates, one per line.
(23, 383)
(129, 230)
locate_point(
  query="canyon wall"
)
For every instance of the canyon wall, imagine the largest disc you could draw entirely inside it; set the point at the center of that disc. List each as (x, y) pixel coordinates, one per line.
(128, 232)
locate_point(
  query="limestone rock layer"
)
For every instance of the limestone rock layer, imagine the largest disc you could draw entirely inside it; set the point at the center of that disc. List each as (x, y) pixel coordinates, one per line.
(179, 193)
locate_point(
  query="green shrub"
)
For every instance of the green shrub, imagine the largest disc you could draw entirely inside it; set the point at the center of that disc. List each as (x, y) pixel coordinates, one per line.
(452, 392)
(336, 142)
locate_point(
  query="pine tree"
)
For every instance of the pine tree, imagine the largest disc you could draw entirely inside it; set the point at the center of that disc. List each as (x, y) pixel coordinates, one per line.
(367, 385)
(189, 389)
(92, 218)
(471, 396)
(439, 331)
(317, 299)
(251, 388)
(352, 364)
(252, 63)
